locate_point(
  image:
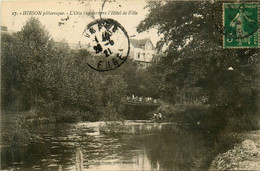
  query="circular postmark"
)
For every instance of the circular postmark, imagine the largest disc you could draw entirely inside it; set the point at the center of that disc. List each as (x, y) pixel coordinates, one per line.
(108, 43)
(235, 20)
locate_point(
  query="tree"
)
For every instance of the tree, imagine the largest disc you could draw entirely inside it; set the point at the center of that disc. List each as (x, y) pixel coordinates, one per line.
(196, 58)
(34, 47)
(11, 82)
(23, 55)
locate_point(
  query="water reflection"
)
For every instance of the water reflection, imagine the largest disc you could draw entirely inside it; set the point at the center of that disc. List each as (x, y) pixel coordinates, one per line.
(148, 146)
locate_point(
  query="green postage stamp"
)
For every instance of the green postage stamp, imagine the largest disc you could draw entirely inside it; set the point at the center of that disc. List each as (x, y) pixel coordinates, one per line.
(240, 21)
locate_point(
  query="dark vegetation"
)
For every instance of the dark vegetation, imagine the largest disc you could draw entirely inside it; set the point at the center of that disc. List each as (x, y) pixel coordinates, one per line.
(45, 81)
(52, 81)
(225, 82)
(49, 79)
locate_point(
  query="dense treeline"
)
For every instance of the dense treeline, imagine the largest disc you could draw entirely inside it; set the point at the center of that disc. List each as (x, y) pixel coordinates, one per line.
(227, 79)
(49, 79)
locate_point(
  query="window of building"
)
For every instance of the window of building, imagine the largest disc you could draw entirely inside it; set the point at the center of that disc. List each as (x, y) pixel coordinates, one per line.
(138, 56)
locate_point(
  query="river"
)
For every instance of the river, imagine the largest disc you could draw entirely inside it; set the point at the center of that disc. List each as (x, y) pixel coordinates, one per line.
(148, 146)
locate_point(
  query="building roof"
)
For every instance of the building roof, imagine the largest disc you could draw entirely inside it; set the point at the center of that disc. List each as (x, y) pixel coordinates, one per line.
(4, 28)
(139, 43)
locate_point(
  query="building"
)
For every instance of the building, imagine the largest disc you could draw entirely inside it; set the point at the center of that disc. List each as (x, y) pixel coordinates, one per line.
(4, 29)
(142, 51)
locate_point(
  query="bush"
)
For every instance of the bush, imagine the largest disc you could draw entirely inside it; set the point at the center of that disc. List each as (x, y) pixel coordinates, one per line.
(109, 113)
(89, 116)
(68, 117)
(114, 122)
(72, 116)
(114, 128)
(192, 113)
(15, 130)
(242, 123)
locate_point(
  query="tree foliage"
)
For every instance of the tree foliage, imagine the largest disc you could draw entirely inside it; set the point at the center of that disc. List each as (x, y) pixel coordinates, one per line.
(52, 79)
(195, 58)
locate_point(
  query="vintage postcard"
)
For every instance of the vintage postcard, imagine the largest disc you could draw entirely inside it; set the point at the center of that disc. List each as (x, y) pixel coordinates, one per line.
(130, 85)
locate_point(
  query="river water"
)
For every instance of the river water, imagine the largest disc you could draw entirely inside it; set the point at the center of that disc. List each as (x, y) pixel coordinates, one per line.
(148, 146)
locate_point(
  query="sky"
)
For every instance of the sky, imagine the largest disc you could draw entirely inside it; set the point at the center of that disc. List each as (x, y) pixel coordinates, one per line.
(71, 29)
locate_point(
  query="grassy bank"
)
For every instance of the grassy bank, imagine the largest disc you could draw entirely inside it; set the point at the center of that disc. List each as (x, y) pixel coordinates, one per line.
(15, 129)
(209, 118)
(16, 126)
(221, 130)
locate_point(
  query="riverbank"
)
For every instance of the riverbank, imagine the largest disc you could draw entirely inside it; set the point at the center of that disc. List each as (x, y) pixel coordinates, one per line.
(149, 146)
(243, 156)
(16, 127)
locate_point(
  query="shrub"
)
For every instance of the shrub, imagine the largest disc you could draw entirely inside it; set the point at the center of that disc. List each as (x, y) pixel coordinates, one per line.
(194, 115)
(89, 116)
(15, 131)
(68, 117)
(191, 113)
(109, 113)
(114, 122)
(114, 128)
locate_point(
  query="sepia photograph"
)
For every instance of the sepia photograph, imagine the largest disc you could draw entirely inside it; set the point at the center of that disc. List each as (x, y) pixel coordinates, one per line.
(130, 85)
